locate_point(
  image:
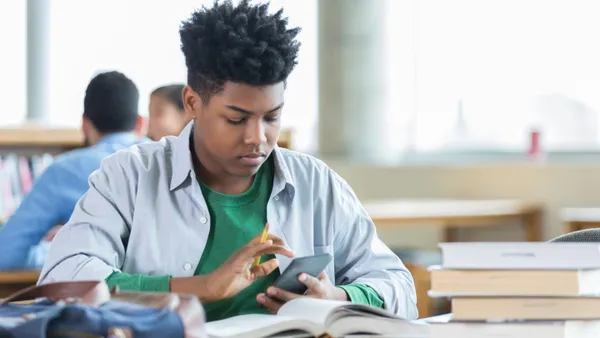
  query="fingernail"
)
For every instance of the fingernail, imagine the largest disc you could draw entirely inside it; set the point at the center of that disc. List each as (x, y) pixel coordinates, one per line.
(302, 277)
(271, 291)
(261, 298)
(269, 241)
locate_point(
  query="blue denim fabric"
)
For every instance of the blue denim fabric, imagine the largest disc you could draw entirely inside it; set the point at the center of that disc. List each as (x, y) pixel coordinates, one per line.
(47, 319)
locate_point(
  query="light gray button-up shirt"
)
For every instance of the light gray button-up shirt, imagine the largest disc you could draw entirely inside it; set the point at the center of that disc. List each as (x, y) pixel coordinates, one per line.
(144, 213)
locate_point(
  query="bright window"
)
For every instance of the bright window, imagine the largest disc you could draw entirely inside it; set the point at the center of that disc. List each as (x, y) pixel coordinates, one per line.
(13, 61)
(483, 74)
(141, 39)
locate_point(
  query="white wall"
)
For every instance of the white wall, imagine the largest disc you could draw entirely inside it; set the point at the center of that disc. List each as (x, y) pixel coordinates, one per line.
(556, 186)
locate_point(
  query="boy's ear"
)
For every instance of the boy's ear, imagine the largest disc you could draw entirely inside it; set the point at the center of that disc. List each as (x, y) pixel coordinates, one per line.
(141, 126)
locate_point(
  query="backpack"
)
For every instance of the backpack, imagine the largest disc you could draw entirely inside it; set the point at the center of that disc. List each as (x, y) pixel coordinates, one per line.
(90, 309)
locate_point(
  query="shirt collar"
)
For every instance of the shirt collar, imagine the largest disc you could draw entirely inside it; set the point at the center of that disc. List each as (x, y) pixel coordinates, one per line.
(123, 138)
(283, 177)
(181, 163)
(181, 160)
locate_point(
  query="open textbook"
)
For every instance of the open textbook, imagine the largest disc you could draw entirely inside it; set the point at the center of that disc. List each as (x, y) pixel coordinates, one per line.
(308, 317)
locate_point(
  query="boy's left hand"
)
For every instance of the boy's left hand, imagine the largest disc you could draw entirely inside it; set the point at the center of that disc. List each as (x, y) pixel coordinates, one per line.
(319, 287)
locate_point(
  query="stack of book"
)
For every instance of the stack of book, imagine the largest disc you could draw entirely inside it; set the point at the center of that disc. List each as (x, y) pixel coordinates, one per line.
(519, 290)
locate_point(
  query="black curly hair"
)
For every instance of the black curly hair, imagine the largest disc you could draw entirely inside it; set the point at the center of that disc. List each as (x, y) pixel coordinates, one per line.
(242, 44)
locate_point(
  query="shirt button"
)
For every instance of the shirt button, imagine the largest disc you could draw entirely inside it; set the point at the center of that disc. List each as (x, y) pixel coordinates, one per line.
(276, 198)
(203, 220)
(187, 266)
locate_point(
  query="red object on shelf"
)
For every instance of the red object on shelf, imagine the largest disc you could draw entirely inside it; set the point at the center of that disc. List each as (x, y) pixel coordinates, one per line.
(535, 149)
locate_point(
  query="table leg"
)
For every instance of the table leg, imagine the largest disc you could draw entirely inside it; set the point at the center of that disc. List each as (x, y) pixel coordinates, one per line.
(533, 226)
(571, 226)
(450, 234)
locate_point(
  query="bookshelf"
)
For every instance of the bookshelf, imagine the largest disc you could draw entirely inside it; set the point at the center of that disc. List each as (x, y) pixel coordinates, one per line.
(31, 141)
(40, 137)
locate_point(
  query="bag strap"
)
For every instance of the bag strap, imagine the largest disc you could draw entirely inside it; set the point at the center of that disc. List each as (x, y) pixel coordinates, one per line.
(86, 292)
(93, 293)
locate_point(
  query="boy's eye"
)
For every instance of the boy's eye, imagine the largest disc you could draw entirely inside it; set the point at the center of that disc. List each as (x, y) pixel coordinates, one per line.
(236, 122)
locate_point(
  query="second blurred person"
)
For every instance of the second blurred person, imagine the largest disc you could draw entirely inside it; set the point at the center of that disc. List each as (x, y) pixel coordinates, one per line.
(167, 116)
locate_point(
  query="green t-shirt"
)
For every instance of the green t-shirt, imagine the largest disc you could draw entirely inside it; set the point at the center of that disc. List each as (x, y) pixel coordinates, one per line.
(235, 221)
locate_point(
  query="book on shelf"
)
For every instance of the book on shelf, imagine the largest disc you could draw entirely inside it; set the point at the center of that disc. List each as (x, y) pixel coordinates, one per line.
(17, 174)
(309, 317)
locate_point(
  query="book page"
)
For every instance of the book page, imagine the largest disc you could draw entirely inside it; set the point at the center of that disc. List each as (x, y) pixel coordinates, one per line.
(258, 325)
(378, 326)
(342, 318)
(360, 310)
(315, 310)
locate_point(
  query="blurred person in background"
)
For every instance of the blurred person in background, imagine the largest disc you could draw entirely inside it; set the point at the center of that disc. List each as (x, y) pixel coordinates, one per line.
(167, 115)
(110, 123)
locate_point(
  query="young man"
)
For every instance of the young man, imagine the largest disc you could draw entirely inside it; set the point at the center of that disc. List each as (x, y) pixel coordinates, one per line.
(185, 214)
(110, 119)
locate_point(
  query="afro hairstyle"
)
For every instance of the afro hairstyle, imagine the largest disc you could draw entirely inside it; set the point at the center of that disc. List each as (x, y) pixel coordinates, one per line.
(240, 43)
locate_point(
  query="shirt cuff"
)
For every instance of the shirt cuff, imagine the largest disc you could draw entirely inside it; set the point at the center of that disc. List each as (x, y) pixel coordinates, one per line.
(142, 283)
(362, 294)
(156, 283)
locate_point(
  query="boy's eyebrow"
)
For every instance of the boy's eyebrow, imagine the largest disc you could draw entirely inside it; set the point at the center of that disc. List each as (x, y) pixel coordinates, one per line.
(247, 112)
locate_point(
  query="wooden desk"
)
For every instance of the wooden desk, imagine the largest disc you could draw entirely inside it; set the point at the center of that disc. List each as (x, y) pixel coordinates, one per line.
(576, 219)
(12, 281)
(453, 214)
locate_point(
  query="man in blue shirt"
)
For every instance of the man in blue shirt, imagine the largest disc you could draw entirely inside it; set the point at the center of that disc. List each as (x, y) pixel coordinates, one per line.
(110, 123)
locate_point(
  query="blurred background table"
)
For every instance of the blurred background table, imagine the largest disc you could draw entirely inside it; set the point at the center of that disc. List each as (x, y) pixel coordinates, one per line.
(576, 219)
(450, 215)
(12, 281)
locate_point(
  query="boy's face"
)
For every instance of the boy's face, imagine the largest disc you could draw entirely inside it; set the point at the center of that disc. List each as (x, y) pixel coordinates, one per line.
(239, 126)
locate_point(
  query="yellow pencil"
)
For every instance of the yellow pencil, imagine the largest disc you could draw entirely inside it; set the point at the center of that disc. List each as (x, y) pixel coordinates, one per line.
(263, 238)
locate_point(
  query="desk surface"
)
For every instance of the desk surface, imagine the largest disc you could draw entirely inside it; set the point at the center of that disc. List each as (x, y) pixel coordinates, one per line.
(580, 214)
(423, 209)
